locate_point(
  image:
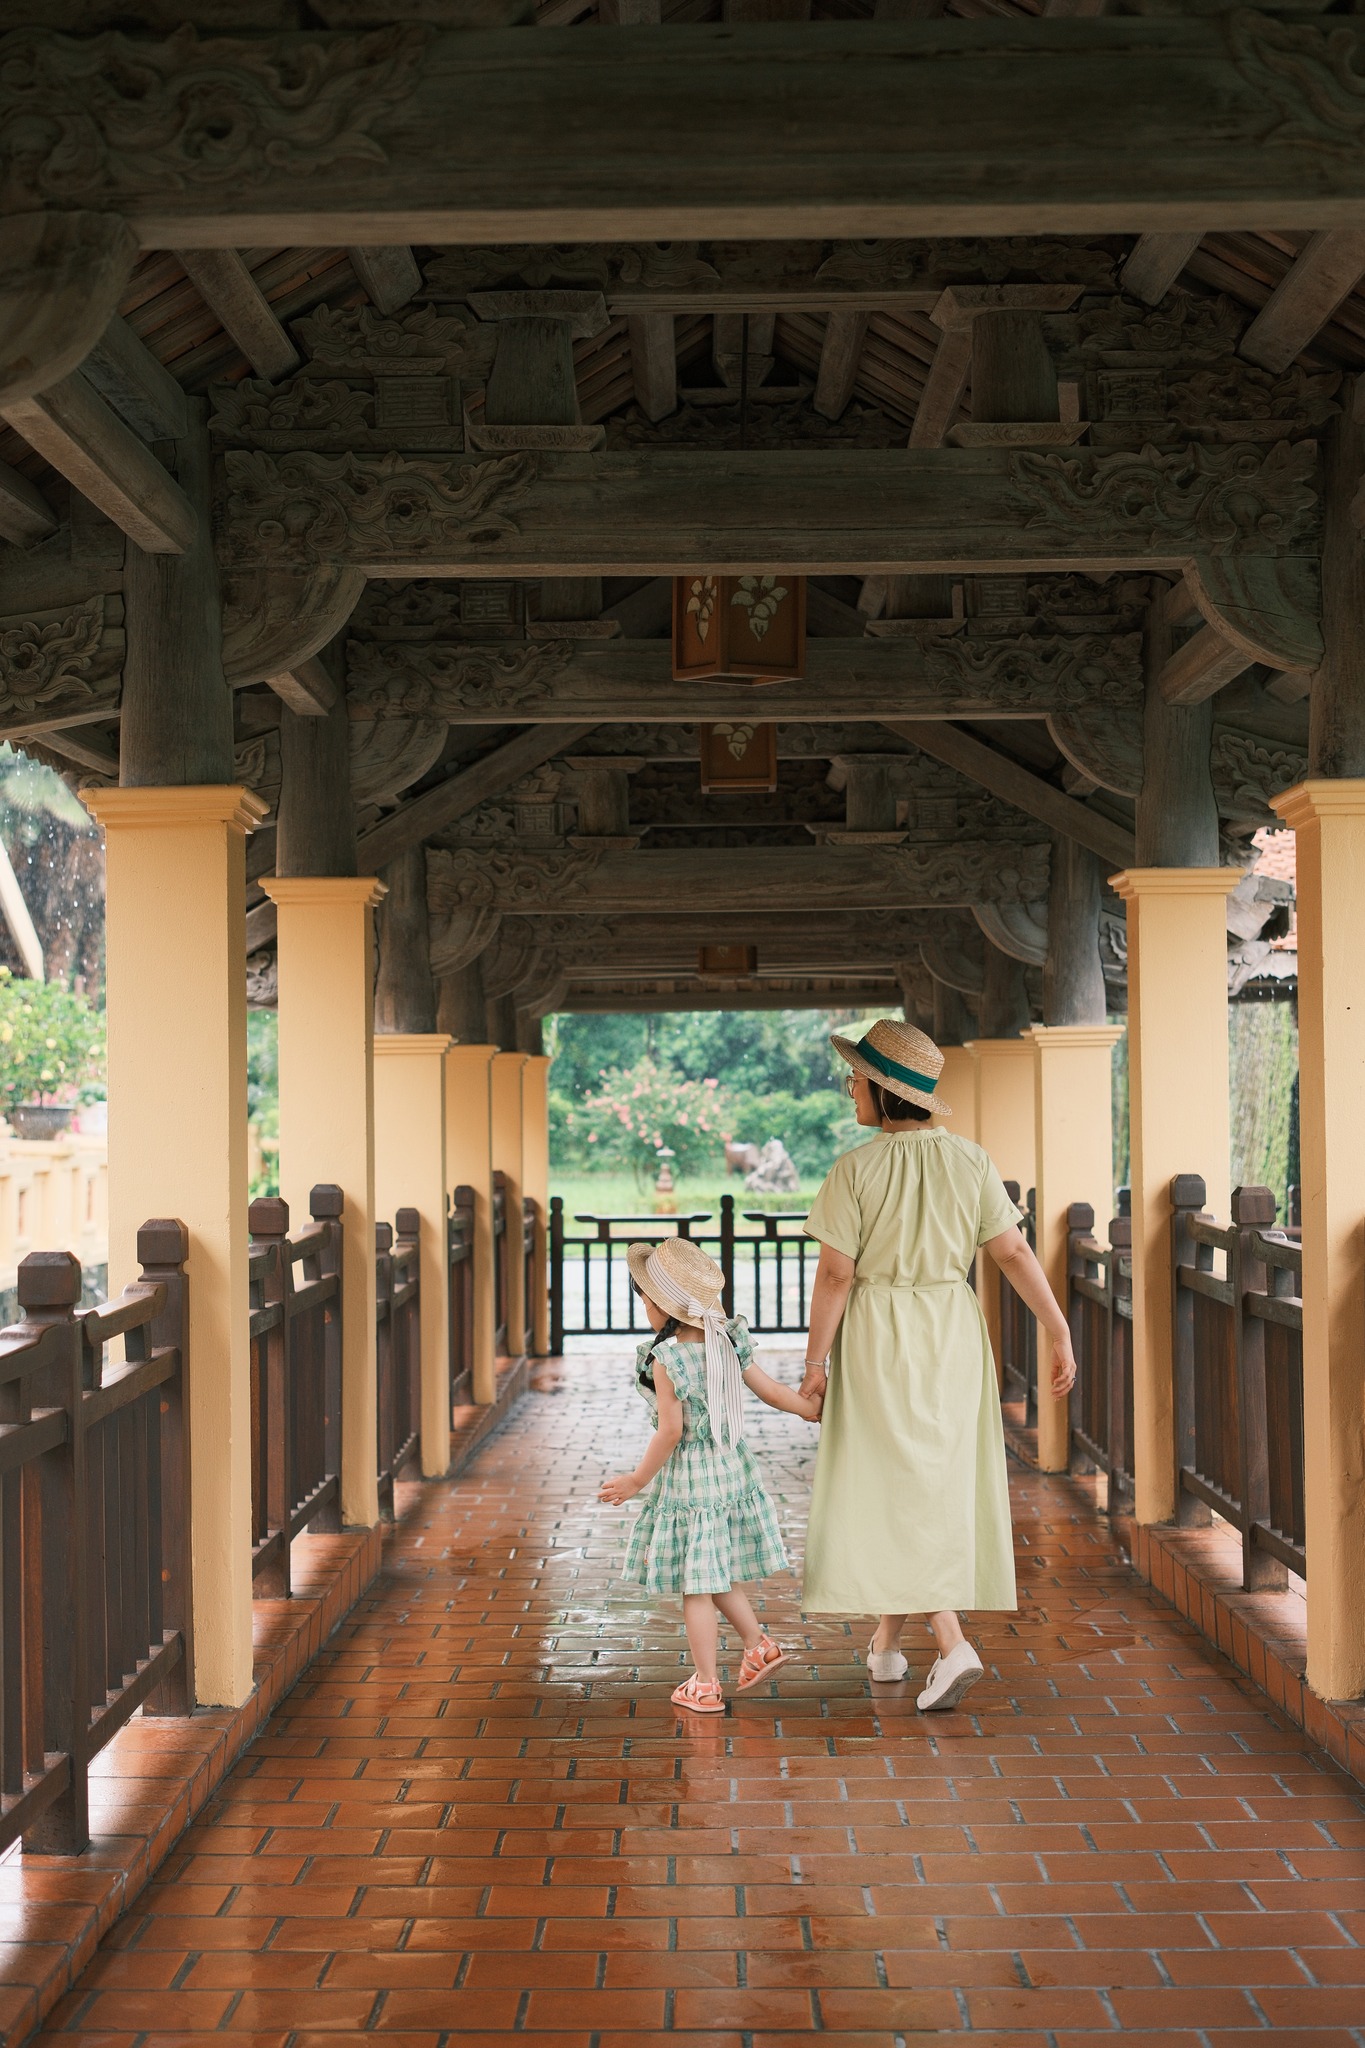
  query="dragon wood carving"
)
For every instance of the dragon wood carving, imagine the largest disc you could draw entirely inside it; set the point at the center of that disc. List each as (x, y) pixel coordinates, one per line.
(110, 118)
(61, 659)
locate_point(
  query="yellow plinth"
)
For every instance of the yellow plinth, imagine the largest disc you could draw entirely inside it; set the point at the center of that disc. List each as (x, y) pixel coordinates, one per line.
(1178, 1122)
(535, 1158)
(1003, 1101)
(957, 1087)
(176, 979)
(1329, 819)
(469, 1163)
(410, 1173)
(1073, 1116)
(326, 954)
(508, 1159)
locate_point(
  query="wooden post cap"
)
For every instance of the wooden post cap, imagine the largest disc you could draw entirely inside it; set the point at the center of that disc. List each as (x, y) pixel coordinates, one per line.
(1080, 1216)
(1253, 1205)
(383, 1237)
(408, 1223)
(49, 1280)
(268, 1216)
(1188, 1191)
(163, 1241)
(325, 1201)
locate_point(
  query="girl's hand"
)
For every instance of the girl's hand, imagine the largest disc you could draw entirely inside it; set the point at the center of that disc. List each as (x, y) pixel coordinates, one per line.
(1063, 1368)
(616, 1492)
(811, 1405)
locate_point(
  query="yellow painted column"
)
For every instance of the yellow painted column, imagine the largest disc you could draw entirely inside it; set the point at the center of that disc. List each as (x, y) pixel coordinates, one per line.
(535, 1157)
(469, 1163)
(1004, 1101)
(175, 936)
(1073, 1104)
(326, 967)
(508, 1141)
(410, 1173)
(1178, 1122)
(1329, 819)
(957, 1087)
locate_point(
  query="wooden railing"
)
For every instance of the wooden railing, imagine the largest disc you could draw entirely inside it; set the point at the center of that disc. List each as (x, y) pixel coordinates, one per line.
(1018, 1325)
(460, 1296)
(94, 1530)
(1239, 1376)
(530, 1226)
(500, 1265)
(768, 1271)
(296, 1331)
(398, 1307)
(1100, 1312)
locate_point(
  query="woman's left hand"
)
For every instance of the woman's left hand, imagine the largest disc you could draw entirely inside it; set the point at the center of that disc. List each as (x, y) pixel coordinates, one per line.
(1063, 1368)
(616, 1492)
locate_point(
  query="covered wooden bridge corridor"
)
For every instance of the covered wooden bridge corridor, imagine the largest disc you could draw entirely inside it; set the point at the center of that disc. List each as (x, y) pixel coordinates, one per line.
(635, 508)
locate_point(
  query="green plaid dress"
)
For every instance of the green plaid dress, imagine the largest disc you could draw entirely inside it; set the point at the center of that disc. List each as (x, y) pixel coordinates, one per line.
(706, 1522)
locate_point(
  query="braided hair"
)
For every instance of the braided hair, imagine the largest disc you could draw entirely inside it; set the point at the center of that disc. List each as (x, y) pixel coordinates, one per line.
(669, 1329)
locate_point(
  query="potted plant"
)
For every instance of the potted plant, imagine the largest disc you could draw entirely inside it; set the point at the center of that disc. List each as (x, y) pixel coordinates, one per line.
(50, 1043)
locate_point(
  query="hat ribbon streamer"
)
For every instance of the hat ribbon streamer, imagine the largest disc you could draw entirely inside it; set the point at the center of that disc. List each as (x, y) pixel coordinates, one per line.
(724, 1379)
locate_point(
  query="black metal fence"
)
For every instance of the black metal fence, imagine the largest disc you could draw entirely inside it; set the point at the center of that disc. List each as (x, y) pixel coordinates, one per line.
(768, 1270)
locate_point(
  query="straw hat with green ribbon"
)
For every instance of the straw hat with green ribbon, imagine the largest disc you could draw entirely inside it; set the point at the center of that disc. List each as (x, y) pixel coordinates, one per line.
(898, 1058)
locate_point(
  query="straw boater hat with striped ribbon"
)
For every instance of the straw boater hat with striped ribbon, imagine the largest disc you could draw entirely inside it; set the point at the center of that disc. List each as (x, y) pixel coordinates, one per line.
(898, 1058)
(680, 1279)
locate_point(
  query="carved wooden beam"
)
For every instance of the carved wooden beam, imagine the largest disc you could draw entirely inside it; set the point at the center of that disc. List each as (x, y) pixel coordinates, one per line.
(1328, 267)
(1019, 786)
(86, 441)
(1242, 516)
(60, 666)
(437, 808)
(409, 134)
(390, 276)
(61, 276)
(793, 992)
(228, 289)
(654, 363)
(840, 353)
(933, 675)
(605, 884)
(141, 390)
(1200, 667)
(1155, 264)
(25, 515)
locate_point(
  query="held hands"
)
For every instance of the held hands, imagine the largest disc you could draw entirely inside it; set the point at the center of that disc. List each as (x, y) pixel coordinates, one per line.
(1063, 1368)
(616, 1492)
(813, 1389)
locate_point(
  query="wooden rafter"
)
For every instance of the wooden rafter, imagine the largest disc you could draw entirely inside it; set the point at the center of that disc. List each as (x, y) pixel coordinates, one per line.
(1019, 786)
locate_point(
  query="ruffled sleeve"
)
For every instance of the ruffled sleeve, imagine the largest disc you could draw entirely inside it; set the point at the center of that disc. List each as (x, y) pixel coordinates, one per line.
(835, 1218)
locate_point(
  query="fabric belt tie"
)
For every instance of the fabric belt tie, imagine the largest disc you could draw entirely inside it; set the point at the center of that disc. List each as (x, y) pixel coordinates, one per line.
(724, 1380)
(893, 1069)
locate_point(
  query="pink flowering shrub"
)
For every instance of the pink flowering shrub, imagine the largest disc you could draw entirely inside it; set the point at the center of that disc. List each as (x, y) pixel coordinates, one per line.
(639, 1110)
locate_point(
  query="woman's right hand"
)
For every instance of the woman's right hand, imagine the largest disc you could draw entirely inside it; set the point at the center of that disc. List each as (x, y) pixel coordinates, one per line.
(815, 1385)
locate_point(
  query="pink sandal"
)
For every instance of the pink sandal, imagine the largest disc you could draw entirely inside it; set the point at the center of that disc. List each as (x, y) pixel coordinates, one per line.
(758, 1662)
(699, 1696)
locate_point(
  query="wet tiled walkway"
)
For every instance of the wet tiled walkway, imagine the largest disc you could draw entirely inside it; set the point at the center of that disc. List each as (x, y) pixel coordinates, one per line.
(479, 1815)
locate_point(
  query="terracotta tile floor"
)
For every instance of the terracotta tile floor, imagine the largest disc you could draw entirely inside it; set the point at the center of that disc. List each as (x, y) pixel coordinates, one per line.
(479, 1816)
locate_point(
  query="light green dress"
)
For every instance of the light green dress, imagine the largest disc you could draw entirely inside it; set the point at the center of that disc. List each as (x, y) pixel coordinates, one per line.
(706, 1520)
(910, 1511)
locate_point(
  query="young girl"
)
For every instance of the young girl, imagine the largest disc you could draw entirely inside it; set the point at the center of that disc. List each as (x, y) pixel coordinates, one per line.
(707, 1520)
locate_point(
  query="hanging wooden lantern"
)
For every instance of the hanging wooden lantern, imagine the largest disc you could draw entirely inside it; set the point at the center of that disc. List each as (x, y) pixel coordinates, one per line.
(727, 960)
(738, 760)
(753, 627)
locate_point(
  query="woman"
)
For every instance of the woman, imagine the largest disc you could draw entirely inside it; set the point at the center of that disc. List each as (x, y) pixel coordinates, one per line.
(910, 1512)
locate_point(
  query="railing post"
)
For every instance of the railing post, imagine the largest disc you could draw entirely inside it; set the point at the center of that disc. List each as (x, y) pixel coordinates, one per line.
(727, 1250)
(269, 1220)
(43, 1520)
(1080, 1222)
(326, 1205)
(163, 1246)
(1119, 1366)
(556, 1275)
(408, 1236)
(1187, 1201)
(385, 1339)
(1253, 1209)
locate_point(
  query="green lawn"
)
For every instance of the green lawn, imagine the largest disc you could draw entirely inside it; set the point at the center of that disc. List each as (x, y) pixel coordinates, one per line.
(602, 1194)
